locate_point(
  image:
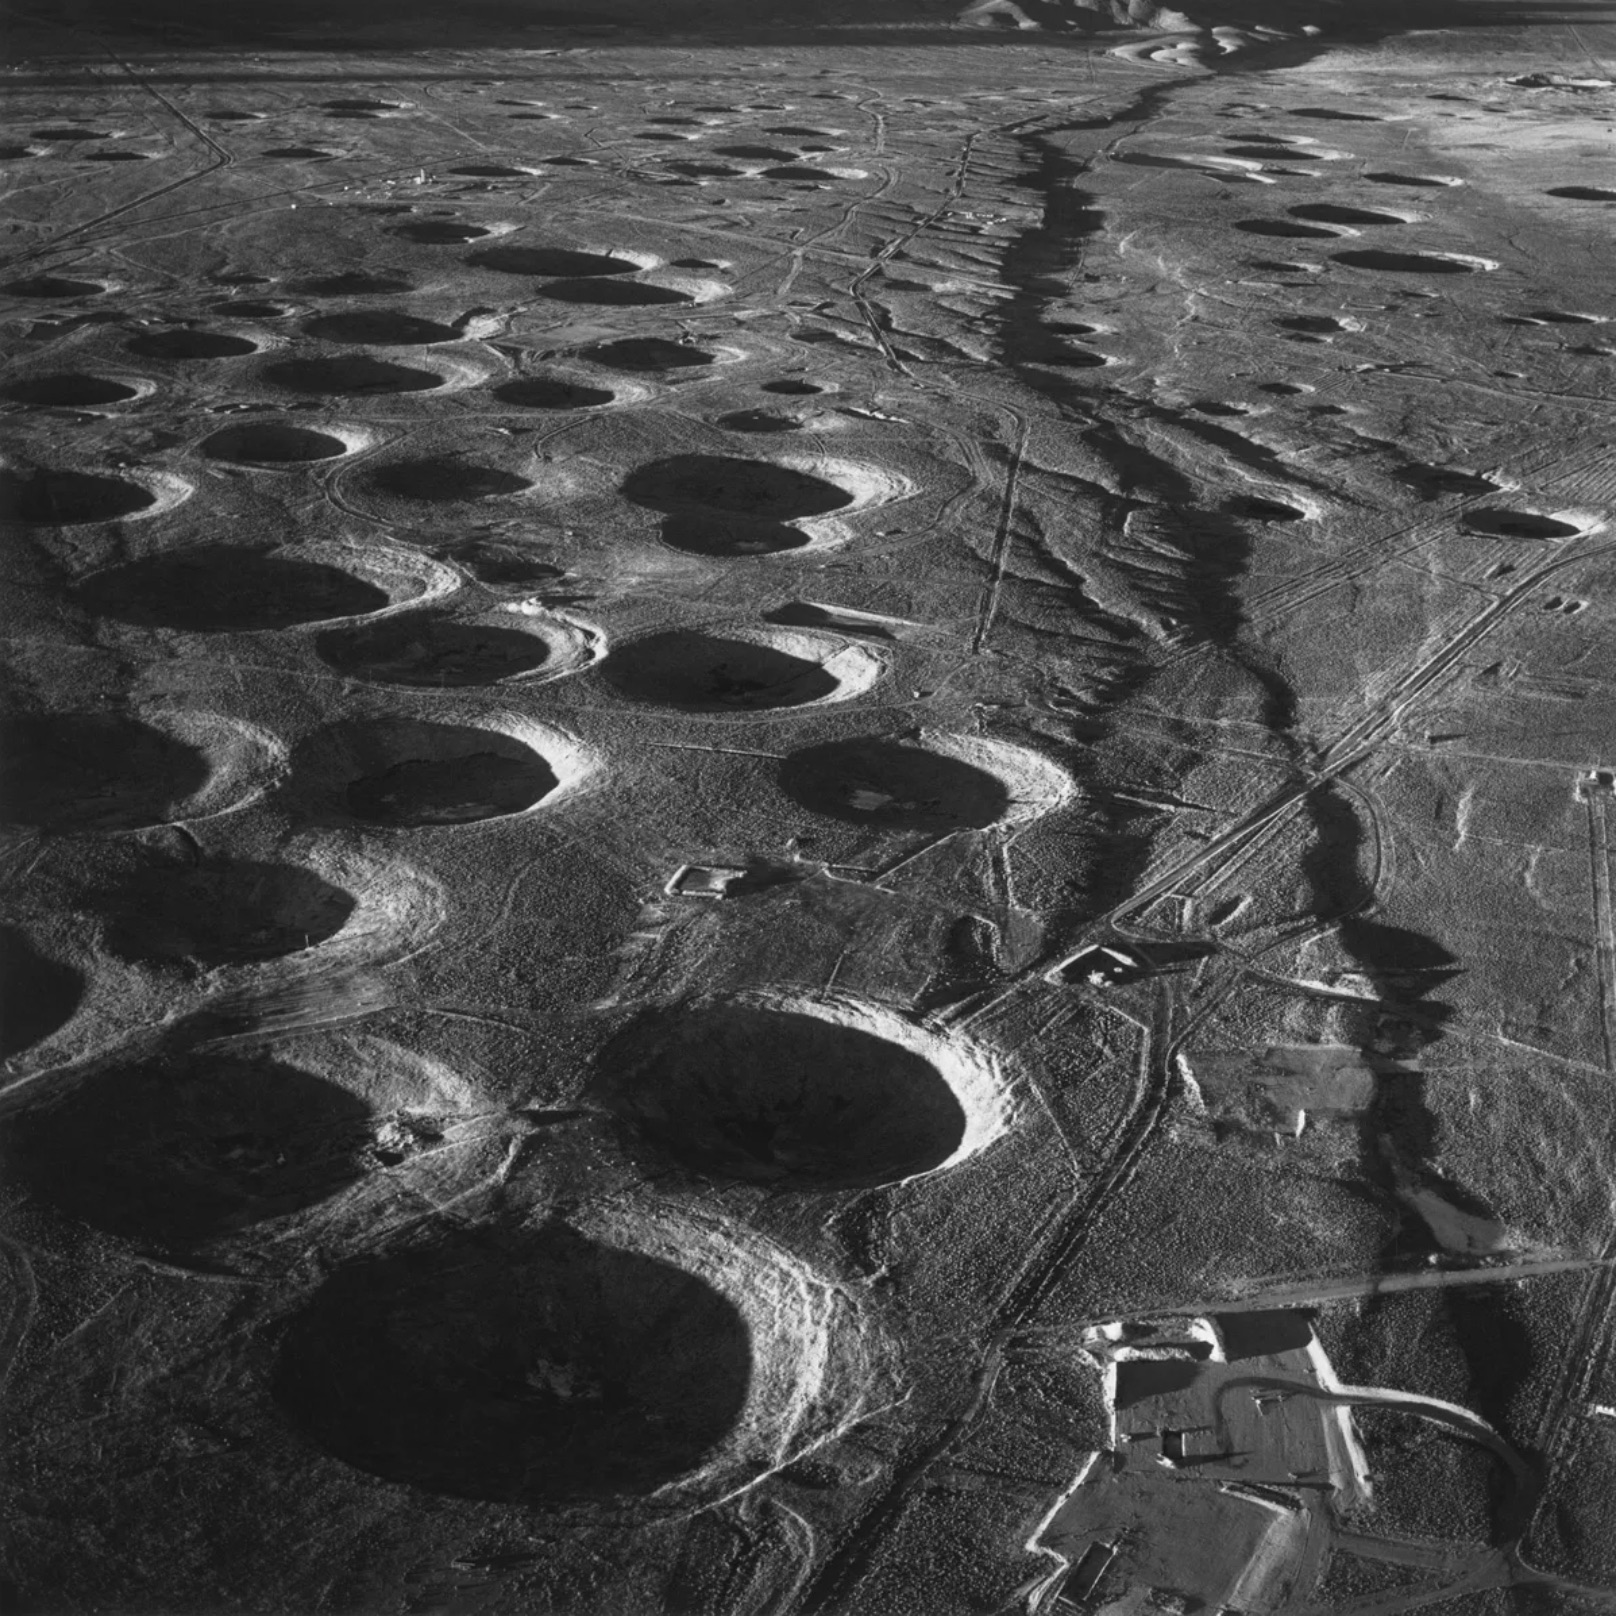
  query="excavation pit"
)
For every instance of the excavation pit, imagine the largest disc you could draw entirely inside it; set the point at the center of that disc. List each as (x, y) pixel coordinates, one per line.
(519, 1366)
(757, 489)
(271, 445)
(380, 328)
(222, 912)
(219, 589)
(801, 1095)
(549, 393)
(443, 480)
(350, 375)
(432, 653)
(894, 785)
(95, 771)
(548, 261)
(69, 498)
(184, 1152)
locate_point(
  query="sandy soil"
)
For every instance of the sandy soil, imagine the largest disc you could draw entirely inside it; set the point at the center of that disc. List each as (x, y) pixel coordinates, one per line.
(808, 809)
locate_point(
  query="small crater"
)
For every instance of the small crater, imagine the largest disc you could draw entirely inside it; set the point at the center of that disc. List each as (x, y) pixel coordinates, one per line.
(53, 286)
(189, 345)
(549, 393)
(646, 353)
(694, 672)
(354, 283)
(1584, 193)
(1337, 213)
(272, 445)
(1518, 525)
(404, 772)
(69, 498)
(230, 115)
(758, 489)
(432, 653)
(1395, 263)
(1284, 227)
(557, 261)
(893, 785)
(220, 589)
(38, 995)
(443, 479)
(251, 310)
(612, 293)
(793, 387)
(348, 375)
(440, 232)
(759, 421)
(380, 328)
(1073, 359)
(68, 390)
(182, 1152)
(586, 1370)
(1251, 509)
(222, 912)
(95, 771)
(794, 1096)
(1419, 181)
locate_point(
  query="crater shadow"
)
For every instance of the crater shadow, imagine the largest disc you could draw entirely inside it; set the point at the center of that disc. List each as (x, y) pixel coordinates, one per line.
(219, 589)
(517, 1366)
(182, 1152)
(893, 785)
(768, 1095)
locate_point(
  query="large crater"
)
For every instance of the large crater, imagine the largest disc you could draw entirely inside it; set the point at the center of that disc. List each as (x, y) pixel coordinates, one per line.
(807, 1094)
(518, 1365)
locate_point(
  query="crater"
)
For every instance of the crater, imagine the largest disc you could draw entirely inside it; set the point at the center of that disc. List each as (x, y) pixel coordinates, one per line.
(1420, 181)
(1414, 263)
(443, 479)
(118, 157)
(696, 672)
(758, 489)
(1518, 525)
(71, 132)
(646, 353)
(361, 108)
(798, 171)
(181, 1152)
(272, 445)
(189, 345)
(612, 293)
(549, 393)
(1284, 227)
(96, 771)
(38, 995)
(251, 311)
(793, 387)
(1283, 389)
(757, 154)
(501, 561)
(347, 375)
(491, 171)
(220, 589)
(440, 232)
(1584, 193)
(1333, 115)
(536, 1365)
(54, 286)
(400, 773)
(432, 652)
(894, 785)
(1561, 317)
(1289, 153)
(353, 283)
(69, 498)
(802, 1094)
(1313, 323)
(1253, 509)
(380, 328)
(1434, 480)
(298, 151)
(559, 261)
(222, 912)
(69, 390)
(759, 421)
(710, 534)
(1338, 213)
